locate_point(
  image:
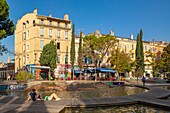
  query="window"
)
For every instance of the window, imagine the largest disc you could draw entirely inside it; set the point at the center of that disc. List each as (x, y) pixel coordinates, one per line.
(152, 49)
(28, 47)
(24, 36)
(50, 32)
(66, 59)
(33, 22)
(41, 31)
(24, 47)
(156, 49)
(23, 59)
(160, 49)
(35, 57)
(145, 48)
(28, 33)
(58, 45)
(66, 34)
(66, 25)
(58, 58)
(108, 53)
(118, 44)
(41, 21)
(41, 44)
(27, 58)
(27, 22)
(122, 45)
(23, 26)
(58, 33)
(58, 24)
(132, 47)
(50, 23)
(132, 55)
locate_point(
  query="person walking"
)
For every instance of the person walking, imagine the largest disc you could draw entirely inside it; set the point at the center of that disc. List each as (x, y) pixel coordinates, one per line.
(143, 80)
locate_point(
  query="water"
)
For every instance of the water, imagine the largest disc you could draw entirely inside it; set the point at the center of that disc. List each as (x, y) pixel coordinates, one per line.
(117, 109)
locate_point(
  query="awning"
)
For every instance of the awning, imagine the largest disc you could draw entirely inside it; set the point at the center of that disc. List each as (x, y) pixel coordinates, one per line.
(78, 71)
(105, 70)
(90, 71)
(40, 67)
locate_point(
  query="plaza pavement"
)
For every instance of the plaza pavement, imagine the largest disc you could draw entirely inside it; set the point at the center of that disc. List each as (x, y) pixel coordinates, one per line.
(152, 97)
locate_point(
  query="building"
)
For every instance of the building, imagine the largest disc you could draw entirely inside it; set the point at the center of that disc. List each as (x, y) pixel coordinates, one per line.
(34, 31)
(128, 45)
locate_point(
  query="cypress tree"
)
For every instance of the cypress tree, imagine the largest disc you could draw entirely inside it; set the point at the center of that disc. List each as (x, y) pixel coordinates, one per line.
(72, 51)
(139, 55)
(80, 56)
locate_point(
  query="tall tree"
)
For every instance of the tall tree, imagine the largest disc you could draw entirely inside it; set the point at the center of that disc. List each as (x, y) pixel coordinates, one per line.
(80, 54)
(139, 55)
(49, 56)
(72, 50)
(96, 48)
(6, 25)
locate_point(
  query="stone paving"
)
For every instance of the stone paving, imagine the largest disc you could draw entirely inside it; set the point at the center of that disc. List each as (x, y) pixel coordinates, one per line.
(16, 104)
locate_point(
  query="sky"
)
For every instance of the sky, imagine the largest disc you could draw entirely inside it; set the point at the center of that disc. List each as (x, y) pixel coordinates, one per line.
(123, 17)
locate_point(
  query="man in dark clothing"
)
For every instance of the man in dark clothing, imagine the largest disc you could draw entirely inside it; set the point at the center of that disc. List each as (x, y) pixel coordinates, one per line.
(143, 80)
(32, 96)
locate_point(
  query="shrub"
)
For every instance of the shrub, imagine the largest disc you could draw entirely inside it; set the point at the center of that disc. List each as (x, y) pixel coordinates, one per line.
(24, 76)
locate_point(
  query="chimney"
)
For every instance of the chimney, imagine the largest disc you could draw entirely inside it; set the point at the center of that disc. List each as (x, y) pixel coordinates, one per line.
(35, 11)
(111, 33)
(131, 36)
(66, 17)
(50, 15)
(9, 60)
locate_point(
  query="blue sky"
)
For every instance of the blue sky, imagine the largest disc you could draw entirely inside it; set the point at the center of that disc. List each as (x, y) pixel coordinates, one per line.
(124, 17)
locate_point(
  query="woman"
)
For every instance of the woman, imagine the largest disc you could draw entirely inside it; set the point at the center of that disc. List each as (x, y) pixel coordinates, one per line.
(52, 96)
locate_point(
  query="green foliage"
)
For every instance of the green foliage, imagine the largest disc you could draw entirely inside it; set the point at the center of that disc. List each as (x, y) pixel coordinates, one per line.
(49, 55)
(96, 48)
(120, 61)
(139, 55)
(6, 25)
(72, 50)
(165, 60)
(80, 54)
(24, 76)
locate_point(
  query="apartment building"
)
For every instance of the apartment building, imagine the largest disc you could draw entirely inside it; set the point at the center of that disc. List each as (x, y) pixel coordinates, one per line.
(34, 31)
(128, 45)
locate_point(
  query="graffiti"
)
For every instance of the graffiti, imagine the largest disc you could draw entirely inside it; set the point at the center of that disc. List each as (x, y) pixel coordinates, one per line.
(12, 87)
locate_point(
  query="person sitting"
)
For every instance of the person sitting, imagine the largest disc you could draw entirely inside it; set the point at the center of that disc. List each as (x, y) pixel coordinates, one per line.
(52, 96)
(32, 96)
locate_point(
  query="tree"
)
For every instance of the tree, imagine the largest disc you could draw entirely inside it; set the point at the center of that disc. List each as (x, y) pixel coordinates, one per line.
(49, 56)
(139, 55)
(152, 61)
(165, 60)
(80, 54)
(72, 50)
(96, 48)
(6, 25)
(120, 61)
